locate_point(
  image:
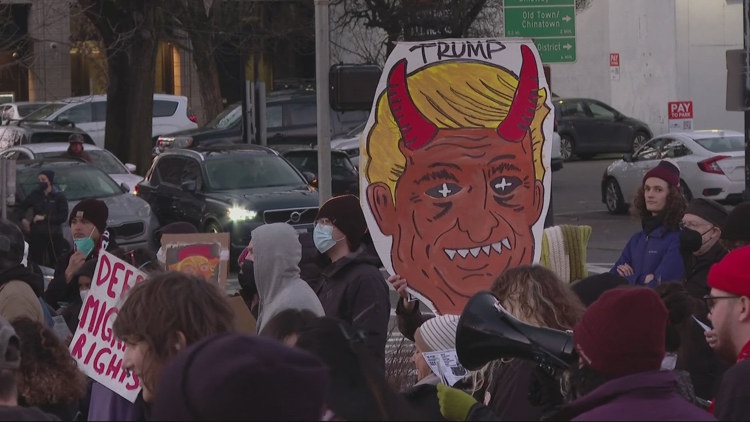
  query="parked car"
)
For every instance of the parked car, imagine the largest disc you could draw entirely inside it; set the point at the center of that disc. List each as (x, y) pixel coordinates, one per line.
(24, 132)
(18, 110)
(588, 127)
(344, 175)
(349, 142)
(556, 161)
(100, 158)
(291, 119)
(170, 113)
(228, 188)
(130, 217)
(711, 162)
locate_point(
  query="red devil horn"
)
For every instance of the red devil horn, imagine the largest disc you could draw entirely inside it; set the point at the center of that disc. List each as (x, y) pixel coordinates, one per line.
(416, 130)
(521, 112)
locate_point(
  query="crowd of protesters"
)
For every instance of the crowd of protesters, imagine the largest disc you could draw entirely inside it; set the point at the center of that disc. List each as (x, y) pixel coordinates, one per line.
(664, 336)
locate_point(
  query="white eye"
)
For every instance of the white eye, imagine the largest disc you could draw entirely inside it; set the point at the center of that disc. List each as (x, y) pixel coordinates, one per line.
(444, 190)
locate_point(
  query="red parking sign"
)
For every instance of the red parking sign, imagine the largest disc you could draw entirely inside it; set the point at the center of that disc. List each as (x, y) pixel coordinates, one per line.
(614, 59)
(680, 110)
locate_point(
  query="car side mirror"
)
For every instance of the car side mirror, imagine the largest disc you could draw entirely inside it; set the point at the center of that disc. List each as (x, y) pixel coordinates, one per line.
(628, 158)
(189, 186)
(130, 167)
(619, 116)
(311, 178)
(125, 188)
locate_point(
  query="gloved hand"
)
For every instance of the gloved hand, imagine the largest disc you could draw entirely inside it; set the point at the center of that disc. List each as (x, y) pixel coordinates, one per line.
(454, 403)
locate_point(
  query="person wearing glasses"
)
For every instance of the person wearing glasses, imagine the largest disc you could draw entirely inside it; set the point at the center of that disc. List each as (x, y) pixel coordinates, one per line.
(652, 255)
(699, 242)
(729, 312)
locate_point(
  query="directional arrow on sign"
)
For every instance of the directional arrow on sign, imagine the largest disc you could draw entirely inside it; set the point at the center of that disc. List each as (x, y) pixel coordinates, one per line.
(566, 18)
(567, 46)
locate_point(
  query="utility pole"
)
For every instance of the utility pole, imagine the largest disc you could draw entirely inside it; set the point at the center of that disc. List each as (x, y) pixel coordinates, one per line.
(322, 65)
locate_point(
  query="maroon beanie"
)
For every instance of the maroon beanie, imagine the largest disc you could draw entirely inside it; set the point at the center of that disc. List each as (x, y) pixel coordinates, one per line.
(623, 332)
(94, 210)
(731, 274)
(665, 171)
(346, 214)
(234, 376)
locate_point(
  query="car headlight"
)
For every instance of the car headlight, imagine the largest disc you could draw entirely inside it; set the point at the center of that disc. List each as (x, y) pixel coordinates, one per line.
(144, 211)
(239, 214)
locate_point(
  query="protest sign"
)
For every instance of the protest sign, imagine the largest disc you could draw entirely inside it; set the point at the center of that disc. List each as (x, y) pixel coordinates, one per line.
(202, 254)
(94, 347)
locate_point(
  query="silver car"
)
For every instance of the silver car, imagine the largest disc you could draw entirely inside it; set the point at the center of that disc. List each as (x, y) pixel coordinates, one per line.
(130, 217)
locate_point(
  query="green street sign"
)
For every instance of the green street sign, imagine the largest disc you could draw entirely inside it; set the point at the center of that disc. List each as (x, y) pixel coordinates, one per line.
(553, 21)
(550, 23)
(556, 49)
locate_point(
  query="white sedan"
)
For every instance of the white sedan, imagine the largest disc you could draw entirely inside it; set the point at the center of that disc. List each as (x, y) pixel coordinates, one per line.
(100, 158)
(712, 166)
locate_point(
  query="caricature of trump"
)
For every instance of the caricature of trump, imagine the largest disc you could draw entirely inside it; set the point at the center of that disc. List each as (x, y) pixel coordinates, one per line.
(455, 174)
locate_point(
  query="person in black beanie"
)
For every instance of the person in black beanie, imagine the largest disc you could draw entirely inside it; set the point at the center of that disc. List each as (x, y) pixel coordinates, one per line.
(699, 243)
(352, 287)
(48, 210)
(736, 230)
(88, 225)
(214, 378)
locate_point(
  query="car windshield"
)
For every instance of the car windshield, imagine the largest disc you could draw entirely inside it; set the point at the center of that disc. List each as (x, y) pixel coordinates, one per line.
(356, 131)
(46, 111)
(230, 117)
(723, 143)
(75, 181)
(247, 171)
(24, 109)
(308, 161)
(103, 160)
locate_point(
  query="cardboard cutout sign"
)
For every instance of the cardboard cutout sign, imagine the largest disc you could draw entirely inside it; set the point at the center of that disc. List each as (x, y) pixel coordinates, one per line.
(202, 254)
(98, 353)
(456, 172)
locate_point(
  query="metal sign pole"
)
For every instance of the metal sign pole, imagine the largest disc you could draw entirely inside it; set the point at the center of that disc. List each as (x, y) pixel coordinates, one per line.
(322, 65)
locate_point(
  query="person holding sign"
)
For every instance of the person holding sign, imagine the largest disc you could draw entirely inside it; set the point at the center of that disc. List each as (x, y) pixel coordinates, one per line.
(353, 289)
(88, 225)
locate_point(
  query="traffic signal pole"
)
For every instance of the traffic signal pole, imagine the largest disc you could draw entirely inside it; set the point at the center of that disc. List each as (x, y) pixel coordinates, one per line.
(322, 64)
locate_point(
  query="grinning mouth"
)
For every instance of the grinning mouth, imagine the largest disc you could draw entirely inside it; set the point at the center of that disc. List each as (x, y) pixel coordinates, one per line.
(486, 249)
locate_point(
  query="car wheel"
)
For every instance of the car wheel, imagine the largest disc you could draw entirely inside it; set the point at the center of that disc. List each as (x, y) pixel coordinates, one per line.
(686, 190)
(613, 197)
(213, 227)
(639, 139)
(566, 147)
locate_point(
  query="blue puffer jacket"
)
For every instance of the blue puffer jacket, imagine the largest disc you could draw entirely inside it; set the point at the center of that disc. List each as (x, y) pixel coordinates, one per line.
(656, 253)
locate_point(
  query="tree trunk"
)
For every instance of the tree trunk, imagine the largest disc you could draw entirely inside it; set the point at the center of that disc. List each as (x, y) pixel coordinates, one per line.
(204, 57)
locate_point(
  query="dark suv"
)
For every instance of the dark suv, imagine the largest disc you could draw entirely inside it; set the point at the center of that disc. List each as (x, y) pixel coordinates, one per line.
(344, 175)
(291, 119)
(228, 188)
(21, 132)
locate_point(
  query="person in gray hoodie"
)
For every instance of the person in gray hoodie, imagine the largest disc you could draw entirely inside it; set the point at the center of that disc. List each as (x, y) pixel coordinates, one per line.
(276, 253)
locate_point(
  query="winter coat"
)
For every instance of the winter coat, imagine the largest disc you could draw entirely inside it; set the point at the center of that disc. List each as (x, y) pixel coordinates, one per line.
(657, 253)
(277, 252)
(20, 290)
(18, 413)
(53, 206)
(509, 391)
(696, 270)
(106, 405)
(733, 398)
(353, 290)
(423, 398)
(649, 396)
(59, 290)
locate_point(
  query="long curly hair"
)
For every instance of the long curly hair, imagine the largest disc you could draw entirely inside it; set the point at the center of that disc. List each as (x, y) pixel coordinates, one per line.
(672, 212)
(48, 373)
(535, 295)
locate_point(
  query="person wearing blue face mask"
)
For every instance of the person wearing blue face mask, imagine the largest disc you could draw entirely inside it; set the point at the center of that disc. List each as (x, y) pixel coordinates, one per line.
(352, 287)
(42, 214)
(88, 225)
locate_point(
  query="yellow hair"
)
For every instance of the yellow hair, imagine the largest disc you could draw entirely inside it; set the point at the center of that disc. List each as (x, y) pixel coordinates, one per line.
(453, 95)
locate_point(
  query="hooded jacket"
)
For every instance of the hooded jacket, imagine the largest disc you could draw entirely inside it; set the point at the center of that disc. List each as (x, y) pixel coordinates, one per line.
(277, 253)
(20, 290)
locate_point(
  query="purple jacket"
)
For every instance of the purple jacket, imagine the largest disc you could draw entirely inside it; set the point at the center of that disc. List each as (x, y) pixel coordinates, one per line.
(643, 396)
(656, 253)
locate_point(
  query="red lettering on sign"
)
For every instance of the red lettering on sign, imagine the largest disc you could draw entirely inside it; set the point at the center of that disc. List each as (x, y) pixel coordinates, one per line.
(680, 110)
(614, 59)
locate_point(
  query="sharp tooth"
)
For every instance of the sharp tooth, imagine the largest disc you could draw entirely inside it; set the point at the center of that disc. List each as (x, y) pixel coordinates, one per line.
(475, 251)
(506, 243)
(486, 250)
(450, 252)
(463, 252)
(497, 247)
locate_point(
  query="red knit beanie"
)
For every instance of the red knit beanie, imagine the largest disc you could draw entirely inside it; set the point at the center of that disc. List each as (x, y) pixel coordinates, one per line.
(346, 214)
(731, 274)
(623, 332)
(666, 171)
